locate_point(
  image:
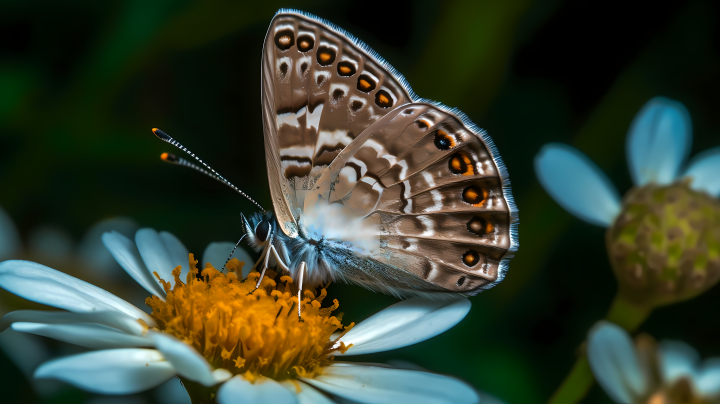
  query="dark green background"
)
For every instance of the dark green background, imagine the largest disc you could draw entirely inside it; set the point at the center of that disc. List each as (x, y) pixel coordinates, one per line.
(82, 83)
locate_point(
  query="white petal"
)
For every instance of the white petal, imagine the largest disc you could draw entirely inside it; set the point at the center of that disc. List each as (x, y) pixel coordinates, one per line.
(217, 253)
(703, 170)
(677, 359)
(41, 284)
(115, 371)
(307, 394)
(162, 252)
(658, 141)
(9, 237)
(577, 184)
(370, 384)
(184, 358)
(615, 363)
(93, 336)
(114, 319)
(240, 391)
(91, 248)
(405, 323)
(127, 255)
(708, 378)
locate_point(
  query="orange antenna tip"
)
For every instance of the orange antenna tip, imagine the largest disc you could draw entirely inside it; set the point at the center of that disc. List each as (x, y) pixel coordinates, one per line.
(170, 158)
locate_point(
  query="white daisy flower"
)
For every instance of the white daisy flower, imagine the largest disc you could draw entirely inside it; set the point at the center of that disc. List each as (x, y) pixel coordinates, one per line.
(643, 373)
(223, 343)
(657, 146)
(663, 238)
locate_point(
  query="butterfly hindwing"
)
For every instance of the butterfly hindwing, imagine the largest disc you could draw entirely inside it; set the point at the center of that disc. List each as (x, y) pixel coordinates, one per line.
(431, 184)
(321, 89)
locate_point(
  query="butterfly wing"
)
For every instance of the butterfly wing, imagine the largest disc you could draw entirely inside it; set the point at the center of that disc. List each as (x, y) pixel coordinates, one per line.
(342, 126)
(431, 181)
(321, 89)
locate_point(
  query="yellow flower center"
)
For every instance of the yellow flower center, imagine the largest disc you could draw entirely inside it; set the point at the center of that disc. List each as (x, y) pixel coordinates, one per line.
(247, 331)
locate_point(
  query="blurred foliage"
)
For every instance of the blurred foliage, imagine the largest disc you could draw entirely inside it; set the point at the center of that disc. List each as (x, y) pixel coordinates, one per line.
(82, 83)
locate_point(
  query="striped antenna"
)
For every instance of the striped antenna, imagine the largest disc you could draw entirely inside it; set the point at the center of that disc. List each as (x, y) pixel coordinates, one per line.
(171, 158)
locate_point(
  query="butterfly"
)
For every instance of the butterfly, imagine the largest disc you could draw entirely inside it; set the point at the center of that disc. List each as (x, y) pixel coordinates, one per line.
(370, 184)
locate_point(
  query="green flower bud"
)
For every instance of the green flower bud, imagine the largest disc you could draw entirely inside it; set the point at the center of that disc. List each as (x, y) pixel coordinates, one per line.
(665, 244)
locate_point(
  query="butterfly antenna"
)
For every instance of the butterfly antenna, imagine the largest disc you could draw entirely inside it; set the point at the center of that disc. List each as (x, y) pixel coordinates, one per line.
(171, 158)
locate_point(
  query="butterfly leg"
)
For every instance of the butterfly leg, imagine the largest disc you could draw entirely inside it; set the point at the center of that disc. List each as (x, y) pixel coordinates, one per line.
(300, 284)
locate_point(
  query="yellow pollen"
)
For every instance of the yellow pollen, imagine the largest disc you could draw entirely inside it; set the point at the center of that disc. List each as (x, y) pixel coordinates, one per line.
(250, 334)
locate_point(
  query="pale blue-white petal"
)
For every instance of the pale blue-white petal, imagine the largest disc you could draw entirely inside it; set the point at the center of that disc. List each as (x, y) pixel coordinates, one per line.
(172, 392)
(577, 184)
(162, 252)
(177, 252)
(240, 391)
(677, 359)
(41, 284)
(405, 323)
(658, 142)
(186, 360)
(127, 255)
(115, 319)
(217, 253)
(113, 371)
(93, 336)
(371, 384)
(615, 363)
(305, 394)
(707, 380)
(9, 237)
(91, 250)
(704, 170)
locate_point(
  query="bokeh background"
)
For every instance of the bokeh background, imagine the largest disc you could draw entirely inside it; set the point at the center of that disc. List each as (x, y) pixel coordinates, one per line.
(82, 83)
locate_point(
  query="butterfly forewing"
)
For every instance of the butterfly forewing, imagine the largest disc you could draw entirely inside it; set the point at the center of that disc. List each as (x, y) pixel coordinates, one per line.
(341, 127)
(320, 91)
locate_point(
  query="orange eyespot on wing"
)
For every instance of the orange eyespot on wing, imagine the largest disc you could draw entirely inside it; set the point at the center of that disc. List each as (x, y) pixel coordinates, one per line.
(325, 56)
(459, 163)
(443, 140)
(305, 43)
(475, 195)
(284, 39)
(471, 258)
(346, 69)
(366, 83)
(383, 99)
(479, 226)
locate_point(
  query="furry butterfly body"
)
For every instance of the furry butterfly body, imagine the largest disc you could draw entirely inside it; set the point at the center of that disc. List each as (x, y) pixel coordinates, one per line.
(370, 184)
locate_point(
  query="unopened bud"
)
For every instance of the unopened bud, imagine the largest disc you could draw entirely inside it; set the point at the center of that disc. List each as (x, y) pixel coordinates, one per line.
(665, 244)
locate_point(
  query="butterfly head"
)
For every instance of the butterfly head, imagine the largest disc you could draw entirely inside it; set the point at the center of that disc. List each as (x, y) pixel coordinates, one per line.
(258, 228)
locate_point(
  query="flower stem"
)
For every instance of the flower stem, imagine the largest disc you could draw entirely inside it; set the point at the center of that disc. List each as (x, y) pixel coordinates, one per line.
(577, 383)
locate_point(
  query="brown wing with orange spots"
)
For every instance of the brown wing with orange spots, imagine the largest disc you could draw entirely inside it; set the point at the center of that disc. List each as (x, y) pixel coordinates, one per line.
(321, 89)
(432, 186)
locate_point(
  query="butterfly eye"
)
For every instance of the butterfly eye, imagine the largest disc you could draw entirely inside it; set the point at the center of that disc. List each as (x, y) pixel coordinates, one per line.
(474, 195)
(305, 43)
(284, 39)
(325, 56)
(262, 229)
(471, 258)
(480, 226)
(366, 83)
(444, 141)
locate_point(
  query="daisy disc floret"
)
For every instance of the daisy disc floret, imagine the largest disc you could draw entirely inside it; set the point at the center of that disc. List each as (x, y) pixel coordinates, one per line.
(247, 331)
